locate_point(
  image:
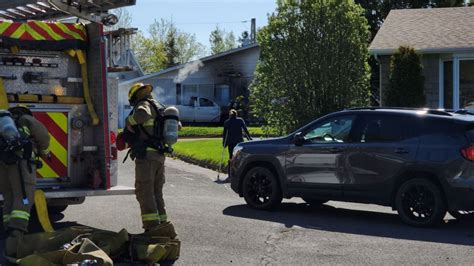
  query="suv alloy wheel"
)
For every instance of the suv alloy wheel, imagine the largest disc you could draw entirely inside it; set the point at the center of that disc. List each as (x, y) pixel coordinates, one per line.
(261, 189)
(419, 202)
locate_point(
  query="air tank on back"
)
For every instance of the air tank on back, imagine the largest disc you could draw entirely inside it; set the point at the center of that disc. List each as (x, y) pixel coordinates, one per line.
(171, 125)
(8, 129)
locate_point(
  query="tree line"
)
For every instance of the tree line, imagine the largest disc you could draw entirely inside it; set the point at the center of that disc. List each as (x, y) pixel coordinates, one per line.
(165, 45)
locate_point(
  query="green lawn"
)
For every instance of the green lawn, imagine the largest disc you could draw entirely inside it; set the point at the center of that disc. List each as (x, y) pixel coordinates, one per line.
(210, 132)
(206, 153)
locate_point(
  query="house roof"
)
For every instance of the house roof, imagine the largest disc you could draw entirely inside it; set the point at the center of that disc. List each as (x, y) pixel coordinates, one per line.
(435, 30)
(204, 59)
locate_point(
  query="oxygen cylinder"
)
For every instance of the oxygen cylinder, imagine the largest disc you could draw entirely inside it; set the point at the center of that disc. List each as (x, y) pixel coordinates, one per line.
(8, 130)
(170, 127)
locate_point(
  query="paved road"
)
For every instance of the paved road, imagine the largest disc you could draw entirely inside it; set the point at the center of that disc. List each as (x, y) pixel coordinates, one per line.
(217, 228)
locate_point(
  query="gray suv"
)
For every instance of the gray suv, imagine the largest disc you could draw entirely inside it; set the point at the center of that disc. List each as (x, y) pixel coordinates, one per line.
(420, 162)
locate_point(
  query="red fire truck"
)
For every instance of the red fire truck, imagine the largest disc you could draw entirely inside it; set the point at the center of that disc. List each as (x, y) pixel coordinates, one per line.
(59, 70)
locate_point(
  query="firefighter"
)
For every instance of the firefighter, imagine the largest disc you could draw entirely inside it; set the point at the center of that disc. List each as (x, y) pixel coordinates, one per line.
(148, 150)
(18, 168)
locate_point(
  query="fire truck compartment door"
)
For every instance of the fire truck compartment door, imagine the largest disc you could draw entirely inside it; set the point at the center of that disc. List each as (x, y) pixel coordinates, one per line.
(57, 124)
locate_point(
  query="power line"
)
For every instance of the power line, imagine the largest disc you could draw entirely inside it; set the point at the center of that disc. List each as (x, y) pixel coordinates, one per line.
(217, 22)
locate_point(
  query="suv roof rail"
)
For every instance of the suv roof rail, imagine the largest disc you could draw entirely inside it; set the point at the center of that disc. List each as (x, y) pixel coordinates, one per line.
(429, 111)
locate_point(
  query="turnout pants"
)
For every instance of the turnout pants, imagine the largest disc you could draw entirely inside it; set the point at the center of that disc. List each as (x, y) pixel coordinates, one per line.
(16, 214)
(149, 181)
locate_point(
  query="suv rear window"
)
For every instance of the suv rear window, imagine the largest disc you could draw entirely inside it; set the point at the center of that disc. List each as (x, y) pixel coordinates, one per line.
(385, 128)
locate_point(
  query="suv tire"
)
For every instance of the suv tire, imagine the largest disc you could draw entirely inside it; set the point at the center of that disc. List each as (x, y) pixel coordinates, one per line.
(420, 203)
(261, 189)
(314, 202)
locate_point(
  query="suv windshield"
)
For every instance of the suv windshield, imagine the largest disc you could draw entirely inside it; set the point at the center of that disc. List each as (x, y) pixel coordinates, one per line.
(333, 130)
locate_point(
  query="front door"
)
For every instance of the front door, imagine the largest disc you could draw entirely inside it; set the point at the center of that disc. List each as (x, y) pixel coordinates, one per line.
(319, 162)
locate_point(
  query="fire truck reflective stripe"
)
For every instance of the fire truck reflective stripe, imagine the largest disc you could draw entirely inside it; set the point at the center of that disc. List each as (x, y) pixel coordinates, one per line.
(27, 36)
(66, 30)
(57, 168)
(60, 119)
(49, 32)
(35, 34)
(46, 171)
(34, 25)
(11, 29)
(19, 32)
(77, 28)
(58, 150)
(55, 127)
(57, 124)
(4, 26)
(6, 218)
(61, 33)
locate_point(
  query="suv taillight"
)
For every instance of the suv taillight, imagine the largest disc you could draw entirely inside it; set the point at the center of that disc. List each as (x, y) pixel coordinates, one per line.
(468, 152)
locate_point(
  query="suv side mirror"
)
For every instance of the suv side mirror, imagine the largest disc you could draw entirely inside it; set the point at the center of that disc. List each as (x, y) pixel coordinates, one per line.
(299, 139)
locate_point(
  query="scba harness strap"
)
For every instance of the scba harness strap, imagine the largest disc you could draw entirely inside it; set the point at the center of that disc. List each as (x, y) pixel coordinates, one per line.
(154, 141)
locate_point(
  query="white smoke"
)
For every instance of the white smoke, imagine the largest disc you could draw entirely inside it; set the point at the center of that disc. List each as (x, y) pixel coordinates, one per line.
(188, 69)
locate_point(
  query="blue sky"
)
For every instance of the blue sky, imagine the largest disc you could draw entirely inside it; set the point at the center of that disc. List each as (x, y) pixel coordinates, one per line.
(201, 16)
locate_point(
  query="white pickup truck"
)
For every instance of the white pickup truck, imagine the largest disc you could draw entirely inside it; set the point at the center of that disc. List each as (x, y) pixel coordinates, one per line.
(200, 110)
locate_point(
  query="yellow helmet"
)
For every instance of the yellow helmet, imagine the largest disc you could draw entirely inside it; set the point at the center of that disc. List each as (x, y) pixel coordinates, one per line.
(137, 87)
(20, 109)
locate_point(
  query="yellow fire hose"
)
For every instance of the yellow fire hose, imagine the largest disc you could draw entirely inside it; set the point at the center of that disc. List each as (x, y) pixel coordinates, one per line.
(3, 96)
(42, 211)
(81, 57)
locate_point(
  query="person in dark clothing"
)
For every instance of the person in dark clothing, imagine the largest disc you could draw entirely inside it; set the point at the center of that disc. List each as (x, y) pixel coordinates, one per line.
(234, 128)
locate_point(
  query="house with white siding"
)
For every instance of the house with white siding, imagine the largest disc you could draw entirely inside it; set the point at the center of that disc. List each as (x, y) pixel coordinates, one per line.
(221, 78)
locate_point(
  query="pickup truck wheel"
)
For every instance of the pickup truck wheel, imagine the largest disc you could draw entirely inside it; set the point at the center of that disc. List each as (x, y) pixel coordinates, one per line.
(261, 189)
(57, 209)
(462, 215)
(420, 203)
(314, 202)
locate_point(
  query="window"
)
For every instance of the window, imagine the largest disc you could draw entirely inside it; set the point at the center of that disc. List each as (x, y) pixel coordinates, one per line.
(203, 102)
(384, 128)
(189, 93)
(335, 130)
(196, 90)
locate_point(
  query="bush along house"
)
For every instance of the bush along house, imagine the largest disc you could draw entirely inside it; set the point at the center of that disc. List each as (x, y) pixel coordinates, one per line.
(445, 39)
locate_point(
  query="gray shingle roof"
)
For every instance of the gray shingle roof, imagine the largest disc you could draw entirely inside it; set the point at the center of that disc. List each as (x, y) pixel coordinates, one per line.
(435, 30)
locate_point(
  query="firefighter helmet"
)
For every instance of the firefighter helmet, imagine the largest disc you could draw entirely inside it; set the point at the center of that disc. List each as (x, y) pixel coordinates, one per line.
(19, 110)
(132, 94)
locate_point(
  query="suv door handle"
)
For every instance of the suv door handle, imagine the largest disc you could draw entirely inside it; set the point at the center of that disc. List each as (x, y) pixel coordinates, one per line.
(401, 151)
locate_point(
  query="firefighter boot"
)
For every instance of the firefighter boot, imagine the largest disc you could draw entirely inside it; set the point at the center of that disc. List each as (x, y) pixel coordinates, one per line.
(12, 243)
(165, 229)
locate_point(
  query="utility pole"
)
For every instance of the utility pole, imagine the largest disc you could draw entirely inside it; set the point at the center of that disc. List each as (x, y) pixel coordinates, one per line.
(253, 31)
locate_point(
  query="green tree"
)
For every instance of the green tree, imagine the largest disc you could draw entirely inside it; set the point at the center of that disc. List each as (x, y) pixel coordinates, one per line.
(165, 46)
(406, 87)
(217, 40)
(150, 54)
(171, 48)
(313, 61)
(221, 41)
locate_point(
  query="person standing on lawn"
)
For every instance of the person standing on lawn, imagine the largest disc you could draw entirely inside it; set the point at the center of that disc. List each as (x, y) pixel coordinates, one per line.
(234, 128)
